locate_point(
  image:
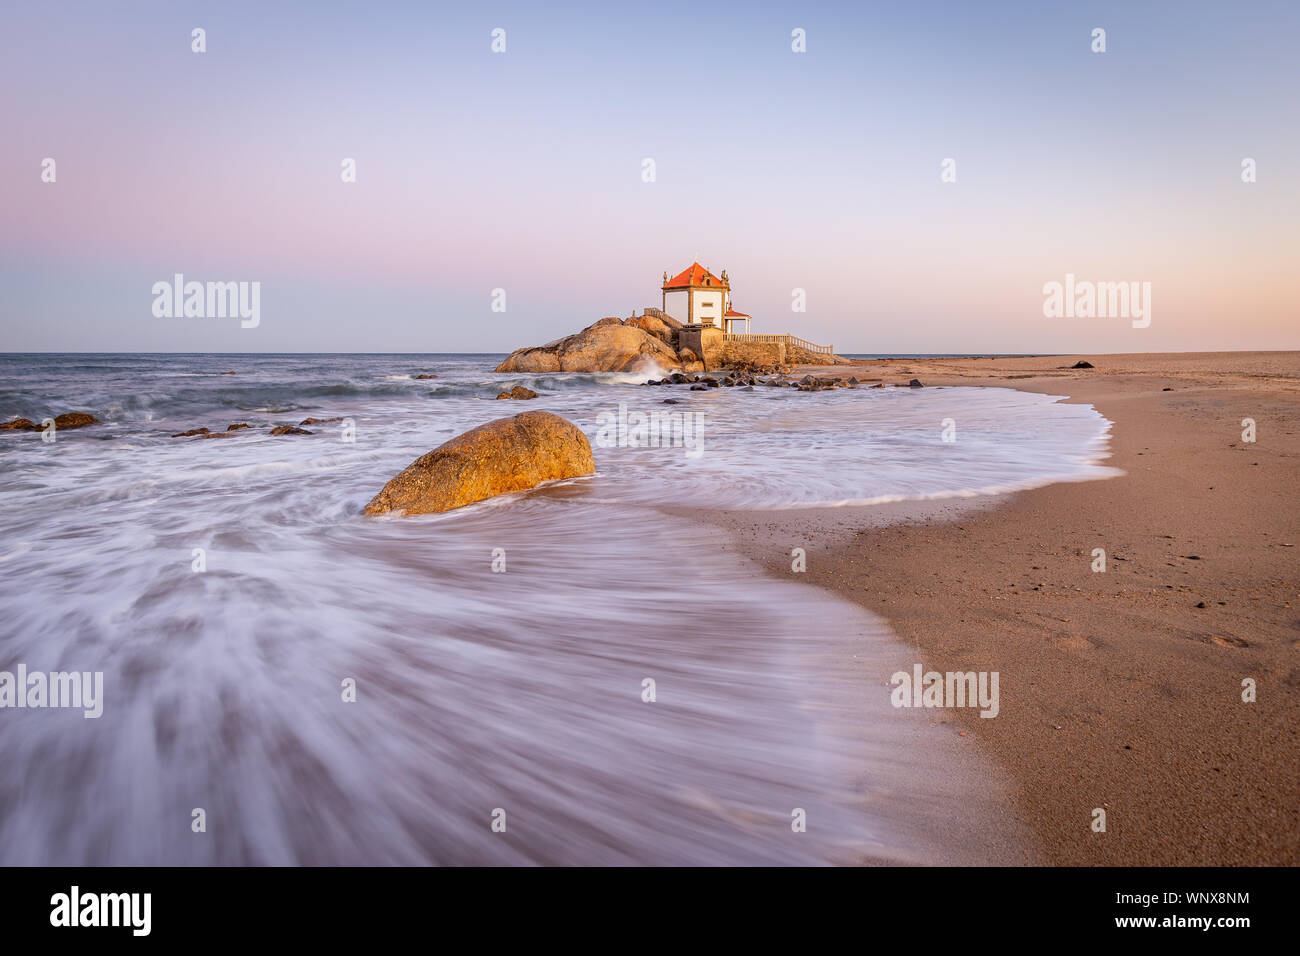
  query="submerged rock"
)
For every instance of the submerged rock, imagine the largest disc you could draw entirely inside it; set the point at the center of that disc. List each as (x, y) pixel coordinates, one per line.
(915, 383)
(509, 454)
(319, 421)
(237, 426)
(65, 421)
(519, 393)
(191, 433)
(75, 420)
(289, 430)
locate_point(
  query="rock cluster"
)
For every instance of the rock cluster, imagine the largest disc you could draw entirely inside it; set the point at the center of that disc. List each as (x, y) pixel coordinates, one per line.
(65, 421)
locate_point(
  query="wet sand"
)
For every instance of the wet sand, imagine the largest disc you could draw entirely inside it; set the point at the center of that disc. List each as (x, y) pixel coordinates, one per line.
(1121, 689)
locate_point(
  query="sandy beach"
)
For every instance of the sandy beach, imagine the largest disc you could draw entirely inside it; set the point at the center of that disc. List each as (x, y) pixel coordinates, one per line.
(1122, 689)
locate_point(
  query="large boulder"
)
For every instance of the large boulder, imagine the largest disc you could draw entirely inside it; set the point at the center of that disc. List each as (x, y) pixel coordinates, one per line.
(602, 347)
(509, 454)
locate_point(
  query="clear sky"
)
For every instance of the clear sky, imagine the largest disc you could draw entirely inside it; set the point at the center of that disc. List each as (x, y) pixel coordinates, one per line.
(522, 170)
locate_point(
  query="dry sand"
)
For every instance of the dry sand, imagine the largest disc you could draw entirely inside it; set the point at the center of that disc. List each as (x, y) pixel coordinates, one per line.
(1120, 690)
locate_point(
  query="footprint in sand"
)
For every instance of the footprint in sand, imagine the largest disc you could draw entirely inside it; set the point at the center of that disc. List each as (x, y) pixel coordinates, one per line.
(1075, 643)
(1228, 641)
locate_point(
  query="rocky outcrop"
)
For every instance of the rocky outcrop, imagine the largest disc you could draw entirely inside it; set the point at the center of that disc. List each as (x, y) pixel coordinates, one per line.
(289, 430)
(519, 393)
(19, 424)
(509, 454)
(657, 341)
(604, 346)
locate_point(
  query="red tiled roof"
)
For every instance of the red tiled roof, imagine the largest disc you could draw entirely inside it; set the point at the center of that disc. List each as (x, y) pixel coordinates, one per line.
(696, 277)
(740, 315)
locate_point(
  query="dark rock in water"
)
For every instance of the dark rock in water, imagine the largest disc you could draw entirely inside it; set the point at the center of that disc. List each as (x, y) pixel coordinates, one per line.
(518, 392)
(509, 454)
(218, 435)
(226, 373)
(425, 375)
(20, 424)
(191, 433)
(915, 383)
(236, 426)
(317, 421)
(1166, 390)
(1082, 365)
(289, 430)
(75, 420)
(672, 401)
(880, 385)
(712, 383)
(699, 388)
(853, 380)
(746, 388)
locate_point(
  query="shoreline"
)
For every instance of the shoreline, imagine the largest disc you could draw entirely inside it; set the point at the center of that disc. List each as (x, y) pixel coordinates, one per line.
(1118, 691)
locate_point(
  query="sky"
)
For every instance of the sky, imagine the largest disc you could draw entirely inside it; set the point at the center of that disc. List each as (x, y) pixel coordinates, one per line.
(524, 170)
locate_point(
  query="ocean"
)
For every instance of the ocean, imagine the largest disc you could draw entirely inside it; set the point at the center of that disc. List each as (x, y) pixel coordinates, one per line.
(570, 675)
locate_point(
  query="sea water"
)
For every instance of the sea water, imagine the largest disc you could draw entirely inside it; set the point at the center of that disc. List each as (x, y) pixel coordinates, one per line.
(570, 675)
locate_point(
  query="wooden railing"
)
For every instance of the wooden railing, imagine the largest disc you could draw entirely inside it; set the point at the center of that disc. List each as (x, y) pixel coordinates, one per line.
(810, 347)
(787, 338)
